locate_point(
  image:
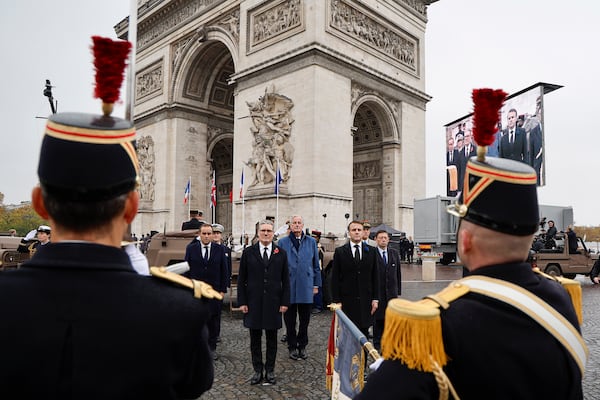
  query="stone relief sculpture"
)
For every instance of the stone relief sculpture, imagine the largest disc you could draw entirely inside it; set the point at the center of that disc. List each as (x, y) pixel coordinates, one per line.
(272, 125)
(366, 170)
(145, 151)
(150, 81)
(232, 23)
(276, 20)
(354, 23)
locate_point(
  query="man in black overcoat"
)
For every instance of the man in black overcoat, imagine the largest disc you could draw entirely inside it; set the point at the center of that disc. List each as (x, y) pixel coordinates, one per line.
(390, 281)
(263, 294)
(195, 221)
(354, 279)
(208, 263)
(78, 322)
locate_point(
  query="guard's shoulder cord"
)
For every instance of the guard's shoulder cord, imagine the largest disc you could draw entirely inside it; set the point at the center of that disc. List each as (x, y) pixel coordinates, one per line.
(413, 330)
(201, 289)
(413, 334)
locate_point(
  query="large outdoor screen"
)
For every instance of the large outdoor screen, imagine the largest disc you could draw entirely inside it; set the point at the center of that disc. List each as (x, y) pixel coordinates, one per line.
(520, 136)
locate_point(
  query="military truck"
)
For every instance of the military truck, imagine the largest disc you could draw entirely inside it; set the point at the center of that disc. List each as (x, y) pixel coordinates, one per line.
(9, 256)
(168, 248)
(435, 229)
(558, 261)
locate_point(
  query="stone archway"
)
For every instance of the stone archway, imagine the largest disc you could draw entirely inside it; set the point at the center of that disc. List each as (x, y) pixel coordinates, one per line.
(367, 183)
(222, 162)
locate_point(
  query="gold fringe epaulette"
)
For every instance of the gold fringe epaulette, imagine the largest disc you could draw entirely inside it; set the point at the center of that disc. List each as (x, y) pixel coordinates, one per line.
(201, 289)
(572, 287)
(413, 330)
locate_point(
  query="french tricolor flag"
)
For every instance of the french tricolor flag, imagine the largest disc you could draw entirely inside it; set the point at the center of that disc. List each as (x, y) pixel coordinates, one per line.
(242, 185)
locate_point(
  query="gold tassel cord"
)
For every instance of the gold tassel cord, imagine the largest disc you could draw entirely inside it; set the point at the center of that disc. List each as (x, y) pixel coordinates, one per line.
(413, 334)
(572, 287)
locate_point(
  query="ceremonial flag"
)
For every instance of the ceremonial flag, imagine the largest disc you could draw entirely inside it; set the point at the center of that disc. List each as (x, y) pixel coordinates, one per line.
(345, 358)
(242, 185)
(278, 179)
(186, 194)
(231, 196)
(213, 193)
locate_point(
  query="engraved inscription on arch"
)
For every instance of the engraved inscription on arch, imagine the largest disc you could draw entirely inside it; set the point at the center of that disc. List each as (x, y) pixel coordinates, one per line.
(149, 81)
(348, 19)
(273, 22)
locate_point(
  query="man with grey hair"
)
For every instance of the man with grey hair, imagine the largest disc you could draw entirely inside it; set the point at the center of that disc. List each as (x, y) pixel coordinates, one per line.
(305, 280)
(263, 293)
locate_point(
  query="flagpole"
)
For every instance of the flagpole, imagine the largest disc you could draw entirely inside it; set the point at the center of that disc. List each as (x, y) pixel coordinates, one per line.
(213, 203)
(243, 209)
(277, 195)
(189, 196)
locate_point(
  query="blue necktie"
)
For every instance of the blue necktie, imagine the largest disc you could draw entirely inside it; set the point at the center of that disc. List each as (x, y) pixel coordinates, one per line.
(206, 253)
(384, 257)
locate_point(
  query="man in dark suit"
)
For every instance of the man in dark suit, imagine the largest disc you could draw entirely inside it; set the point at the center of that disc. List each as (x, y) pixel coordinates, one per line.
(208, 263)
(459, 160)
(195, 221)
(263, 294)
(390, 281)
(513, 142)
(355, 268)
(92, 328)
(533, 127)
(452, 174)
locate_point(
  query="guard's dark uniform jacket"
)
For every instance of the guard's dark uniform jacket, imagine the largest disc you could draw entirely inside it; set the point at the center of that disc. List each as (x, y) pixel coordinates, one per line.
(79, 323)
(495, 351)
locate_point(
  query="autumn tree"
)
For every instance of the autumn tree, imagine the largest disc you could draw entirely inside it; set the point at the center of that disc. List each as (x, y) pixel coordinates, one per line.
(22, 218)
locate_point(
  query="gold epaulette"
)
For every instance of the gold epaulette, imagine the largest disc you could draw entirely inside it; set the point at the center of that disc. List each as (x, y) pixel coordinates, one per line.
(413, 329)
(572, 287)
(201, 289)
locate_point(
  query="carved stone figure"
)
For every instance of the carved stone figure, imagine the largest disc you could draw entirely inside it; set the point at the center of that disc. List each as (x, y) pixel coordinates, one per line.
(145, 150)
(272, 124)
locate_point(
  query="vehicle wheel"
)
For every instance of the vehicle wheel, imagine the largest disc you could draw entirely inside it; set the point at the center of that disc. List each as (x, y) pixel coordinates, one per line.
(570, 276)
(447, 258)
(553, 270)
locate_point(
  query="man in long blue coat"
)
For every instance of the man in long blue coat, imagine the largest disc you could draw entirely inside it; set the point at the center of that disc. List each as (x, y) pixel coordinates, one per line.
(263, 294)
(305, 280)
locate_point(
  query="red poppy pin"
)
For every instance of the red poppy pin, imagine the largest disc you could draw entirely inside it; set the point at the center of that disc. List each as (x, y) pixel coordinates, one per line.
(276, 251)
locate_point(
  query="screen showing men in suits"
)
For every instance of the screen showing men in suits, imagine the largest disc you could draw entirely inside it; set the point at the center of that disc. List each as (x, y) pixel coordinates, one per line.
(520, 137)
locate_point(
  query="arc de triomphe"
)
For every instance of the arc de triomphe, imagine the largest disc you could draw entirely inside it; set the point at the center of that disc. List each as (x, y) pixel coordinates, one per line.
(328, 92)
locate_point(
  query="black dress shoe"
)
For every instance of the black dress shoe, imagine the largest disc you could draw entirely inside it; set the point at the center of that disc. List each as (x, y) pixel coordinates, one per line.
(294, 355)
(256, 378)
(284, 339)
(270, 377)
(302, 354)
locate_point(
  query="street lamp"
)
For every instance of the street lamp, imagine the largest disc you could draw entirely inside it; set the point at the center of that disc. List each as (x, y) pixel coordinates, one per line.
(324, 218)
(346, 230)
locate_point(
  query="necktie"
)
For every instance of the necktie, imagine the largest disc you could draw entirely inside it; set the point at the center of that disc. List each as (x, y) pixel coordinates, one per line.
(265, 256)
(512, 137)
(356, 253)
(384, 257)
(206, 253)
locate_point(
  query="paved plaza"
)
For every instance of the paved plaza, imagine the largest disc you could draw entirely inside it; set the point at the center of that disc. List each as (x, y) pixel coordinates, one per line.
(305, 379)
